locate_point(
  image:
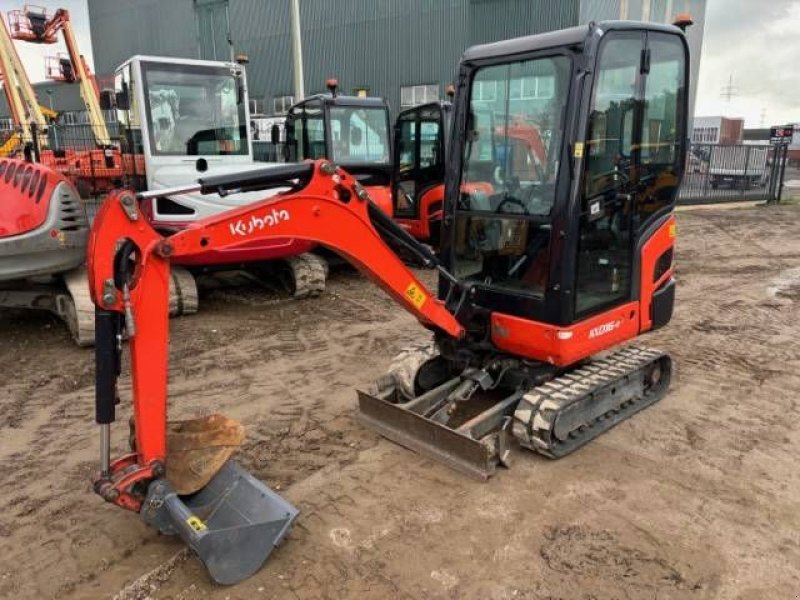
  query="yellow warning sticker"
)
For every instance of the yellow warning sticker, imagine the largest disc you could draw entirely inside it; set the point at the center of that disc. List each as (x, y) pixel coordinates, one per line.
(416, 295)
(196, 523)
(673, 230)
(578, 150)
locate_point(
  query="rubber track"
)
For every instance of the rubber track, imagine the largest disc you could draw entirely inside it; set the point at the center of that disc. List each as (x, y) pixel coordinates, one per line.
(183, 297)
(309, 272)
(536, 415)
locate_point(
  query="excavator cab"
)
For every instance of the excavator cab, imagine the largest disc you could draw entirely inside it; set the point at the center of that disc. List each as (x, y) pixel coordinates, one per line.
(420, 156)
(557, 237)
(352, 131)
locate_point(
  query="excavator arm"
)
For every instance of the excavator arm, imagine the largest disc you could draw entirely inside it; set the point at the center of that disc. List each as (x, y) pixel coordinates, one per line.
(129, 271)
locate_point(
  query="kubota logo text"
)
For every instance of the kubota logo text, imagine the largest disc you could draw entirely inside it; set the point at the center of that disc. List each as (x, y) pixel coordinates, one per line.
(254, 223)
(604, 329)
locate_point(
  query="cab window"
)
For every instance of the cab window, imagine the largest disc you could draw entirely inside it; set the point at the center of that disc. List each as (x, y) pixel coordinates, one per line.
(511, 161)
(605, 242)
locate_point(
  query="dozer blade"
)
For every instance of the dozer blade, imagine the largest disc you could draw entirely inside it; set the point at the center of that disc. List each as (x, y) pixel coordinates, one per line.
(475, 447)
(232, 524)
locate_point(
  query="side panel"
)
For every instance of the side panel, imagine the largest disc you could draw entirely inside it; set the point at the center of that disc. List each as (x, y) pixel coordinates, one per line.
(653, 275)
(26, 191)
(564, 346)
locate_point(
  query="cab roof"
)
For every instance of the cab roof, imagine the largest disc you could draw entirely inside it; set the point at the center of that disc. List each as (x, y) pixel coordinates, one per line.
(339, 99)
(171, 60)
(557, 39)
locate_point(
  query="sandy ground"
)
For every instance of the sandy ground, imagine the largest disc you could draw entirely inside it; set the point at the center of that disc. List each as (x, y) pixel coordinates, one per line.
(697, 497)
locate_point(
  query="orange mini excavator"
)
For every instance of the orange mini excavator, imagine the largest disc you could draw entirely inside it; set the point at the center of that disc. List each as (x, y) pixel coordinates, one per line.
(542, 273)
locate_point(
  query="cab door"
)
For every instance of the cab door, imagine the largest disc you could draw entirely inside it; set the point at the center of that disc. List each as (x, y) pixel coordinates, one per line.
(418, 168)
(634, 145)
(305, 132)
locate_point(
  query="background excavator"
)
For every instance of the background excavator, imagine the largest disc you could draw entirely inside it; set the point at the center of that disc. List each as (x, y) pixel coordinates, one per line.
(352, 131)
(43, 222)
(542, 274)
(421, 135)
(180, 119)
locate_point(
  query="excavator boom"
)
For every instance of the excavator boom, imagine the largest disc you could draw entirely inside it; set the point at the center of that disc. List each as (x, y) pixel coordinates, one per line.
(129, 273)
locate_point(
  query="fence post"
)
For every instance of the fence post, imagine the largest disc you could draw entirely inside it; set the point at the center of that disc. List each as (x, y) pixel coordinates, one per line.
(746, 185)
(785, 148)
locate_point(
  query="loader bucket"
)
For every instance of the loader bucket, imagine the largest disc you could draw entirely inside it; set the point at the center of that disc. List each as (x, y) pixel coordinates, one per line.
(232, 524)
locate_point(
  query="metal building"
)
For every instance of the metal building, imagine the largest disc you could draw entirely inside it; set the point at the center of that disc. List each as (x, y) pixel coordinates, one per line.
(404, 50)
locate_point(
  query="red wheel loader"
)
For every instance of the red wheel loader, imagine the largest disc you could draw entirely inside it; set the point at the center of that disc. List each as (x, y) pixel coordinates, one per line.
(541, 278)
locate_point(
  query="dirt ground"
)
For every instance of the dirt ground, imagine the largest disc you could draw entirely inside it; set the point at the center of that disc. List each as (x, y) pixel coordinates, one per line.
(697, 497)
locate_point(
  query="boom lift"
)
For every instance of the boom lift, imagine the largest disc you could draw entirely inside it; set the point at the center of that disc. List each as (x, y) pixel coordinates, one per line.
(540, 279)
(22, 103)
(100, 167)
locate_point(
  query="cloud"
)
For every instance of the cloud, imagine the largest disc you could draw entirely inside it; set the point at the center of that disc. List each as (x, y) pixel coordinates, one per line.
(757, 44)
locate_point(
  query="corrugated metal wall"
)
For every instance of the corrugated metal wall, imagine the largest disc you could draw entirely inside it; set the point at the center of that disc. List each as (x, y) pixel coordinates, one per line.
(121, 28)
(377, 44)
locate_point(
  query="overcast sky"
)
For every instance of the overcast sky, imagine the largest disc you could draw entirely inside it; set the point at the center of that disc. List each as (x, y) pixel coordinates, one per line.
(758, 43)
(755, 41)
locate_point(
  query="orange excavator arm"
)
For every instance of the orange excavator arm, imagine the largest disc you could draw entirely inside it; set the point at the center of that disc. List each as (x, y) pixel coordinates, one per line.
(129, 272)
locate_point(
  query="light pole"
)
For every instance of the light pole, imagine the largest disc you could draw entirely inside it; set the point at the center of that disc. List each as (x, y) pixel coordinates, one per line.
(297, 52)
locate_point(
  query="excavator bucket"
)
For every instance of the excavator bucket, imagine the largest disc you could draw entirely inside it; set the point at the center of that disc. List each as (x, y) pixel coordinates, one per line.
(232, 524)
(227, 517)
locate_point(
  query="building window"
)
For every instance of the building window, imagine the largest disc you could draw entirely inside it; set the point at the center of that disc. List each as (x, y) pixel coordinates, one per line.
(281, 104)
(412, 95)
(532, 88)
(484, 91)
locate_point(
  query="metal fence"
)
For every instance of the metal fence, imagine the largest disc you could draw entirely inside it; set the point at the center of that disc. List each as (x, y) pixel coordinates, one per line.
(717, 173)
(714, 173)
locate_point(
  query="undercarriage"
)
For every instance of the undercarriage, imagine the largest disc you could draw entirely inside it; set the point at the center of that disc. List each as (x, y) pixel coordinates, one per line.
(466, 419)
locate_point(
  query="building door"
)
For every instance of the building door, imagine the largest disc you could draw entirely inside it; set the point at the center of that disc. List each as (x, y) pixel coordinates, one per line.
(213, 29)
